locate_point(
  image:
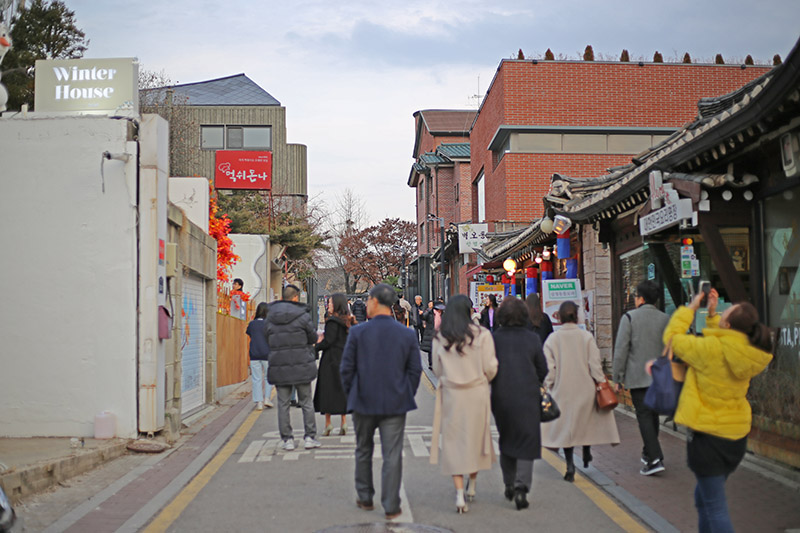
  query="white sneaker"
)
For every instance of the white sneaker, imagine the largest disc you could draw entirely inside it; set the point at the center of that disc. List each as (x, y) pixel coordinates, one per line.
(287, 445)
(259, 406)
(312, 443)
(269, 404)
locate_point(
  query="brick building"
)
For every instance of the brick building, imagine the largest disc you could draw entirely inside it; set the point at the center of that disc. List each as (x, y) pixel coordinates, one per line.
(440, 173)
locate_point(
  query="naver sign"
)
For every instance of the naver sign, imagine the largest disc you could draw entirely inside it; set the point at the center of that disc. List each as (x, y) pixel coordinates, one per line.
(87, 86)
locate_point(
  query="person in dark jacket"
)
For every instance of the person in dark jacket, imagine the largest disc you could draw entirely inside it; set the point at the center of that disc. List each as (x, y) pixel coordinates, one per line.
(418, 309)
(540, 321)
(329, 397)
(259, 356)
(431, 316)
(380, 371)
(522, 368)
(292, 362)
(360, 310)
(489, 314)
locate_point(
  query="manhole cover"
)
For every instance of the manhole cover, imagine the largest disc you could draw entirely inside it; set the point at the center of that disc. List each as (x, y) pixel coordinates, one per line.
(147, 446)
(384, 527)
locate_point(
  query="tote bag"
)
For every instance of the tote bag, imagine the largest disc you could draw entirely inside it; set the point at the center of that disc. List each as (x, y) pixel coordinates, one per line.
(668, 375)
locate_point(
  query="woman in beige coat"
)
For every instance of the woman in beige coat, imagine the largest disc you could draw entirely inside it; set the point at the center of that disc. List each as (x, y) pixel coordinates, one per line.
(465, 363)
(574, 366)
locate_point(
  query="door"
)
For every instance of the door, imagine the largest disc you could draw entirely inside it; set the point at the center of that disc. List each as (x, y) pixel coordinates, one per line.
(193, 344)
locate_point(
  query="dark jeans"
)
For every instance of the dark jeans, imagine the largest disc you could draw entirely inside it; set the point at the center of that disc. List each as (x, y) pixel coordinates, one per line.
(392, 430)
(517, 473)
(648, 426)
(712, 506)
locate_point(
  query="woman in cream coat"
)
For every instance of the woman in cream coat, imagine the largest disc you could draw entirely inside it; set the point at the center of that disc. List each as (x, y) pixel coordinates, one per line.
(464, 361)
(574, 366)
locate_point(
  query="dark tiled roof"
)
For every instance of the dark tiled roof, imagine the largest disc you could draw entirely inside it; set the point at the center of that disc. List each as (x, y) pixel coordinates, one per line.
(454, 150)
(448, 121)
(238, 90)
(430, 158)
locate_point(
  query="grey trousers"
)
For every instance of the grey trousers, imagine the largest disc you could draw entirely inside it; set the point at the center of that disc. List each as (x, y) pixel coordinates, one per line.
(517, 473)
(392, 431)
(306, 404)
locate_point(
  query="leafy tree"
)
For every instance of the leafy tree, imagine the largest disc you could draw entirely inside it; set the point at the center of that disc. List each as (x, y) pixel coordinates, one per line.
(776, 60)
(718, 60)
(376, 252)
(687, 58)
(657, 57)
(520, 55)
(588, 53)
(748, 60)
(548, 56)
(625, 56)
(45, 30)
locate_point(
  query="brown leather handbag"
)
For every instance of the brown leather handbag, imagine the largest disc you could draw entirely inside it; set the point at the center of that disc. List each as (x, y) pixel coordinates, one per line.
(606, 397)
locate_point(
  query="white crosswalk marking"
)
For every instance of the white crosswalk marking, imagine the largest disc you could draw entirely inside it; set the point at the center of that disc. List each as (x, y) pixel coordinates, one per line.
(418, 446)
(251, 452)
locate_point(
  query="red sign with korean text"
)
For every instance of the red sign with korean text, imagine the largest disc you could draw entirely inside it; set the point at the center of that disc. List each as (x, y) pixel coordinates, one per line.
(238, 169)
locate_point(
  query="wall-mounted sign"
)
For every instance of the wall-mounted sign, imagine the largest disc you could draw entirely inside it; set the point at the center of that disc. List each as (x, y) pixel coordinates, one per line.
(557, 291)
(471, 236)
(669, 215)
(87, 86)
(239, 169)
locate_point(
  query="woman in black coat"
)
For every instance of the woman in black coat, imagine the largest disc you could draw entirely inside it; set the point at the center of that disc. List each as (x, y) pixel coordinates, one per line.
(429, 317)
(540, 321)
(515, 398)
(329, 396)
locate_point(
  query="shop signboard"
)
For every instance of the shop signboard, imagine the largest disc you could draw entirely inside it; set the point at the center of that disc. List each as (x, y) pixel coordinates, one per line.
(690, 265)
(242, 169)
(485, 290)
(87, 86)
(471, 236)
(667, 216)
(557, 291)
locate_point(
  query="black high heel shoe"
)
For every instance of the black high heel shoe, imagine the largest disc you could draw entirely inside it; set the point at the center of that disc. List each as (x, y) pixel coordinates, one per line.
(520, 500)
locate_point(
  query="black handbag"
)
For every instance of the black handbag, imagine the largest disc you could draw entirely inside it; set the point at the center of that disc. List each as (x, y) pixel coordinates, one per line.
(549, 408)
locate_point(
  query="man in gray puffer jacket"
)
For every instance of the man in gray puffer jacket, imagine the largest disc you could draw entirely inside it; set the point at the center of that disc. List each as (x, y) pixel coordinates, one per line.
(639, 341)
(292, 363)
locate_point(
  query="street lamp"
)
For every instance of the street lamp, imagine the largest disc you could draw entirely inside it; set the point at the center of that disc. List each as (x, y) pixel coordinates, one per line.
(431, 216)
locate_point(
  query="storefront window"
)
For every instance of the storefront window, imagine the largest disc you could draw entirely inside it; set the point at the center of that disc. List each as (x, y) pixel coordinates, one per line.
(776, 393)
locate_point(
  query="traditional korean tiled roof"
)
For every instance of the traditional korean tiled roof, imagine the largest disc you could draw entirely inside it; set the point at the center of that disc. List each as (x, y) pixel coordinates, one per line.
(237, 90)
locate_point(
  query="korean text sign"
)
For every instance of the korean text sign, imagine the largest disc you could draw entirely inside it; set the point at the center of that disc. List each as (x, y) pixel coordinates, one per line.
(239, 169)
(471, 236)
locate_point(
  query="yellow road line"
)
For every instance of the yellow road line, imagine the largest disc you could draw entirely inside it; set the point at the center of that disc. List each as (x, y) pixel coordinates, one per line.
(606, 504)
(172, 511)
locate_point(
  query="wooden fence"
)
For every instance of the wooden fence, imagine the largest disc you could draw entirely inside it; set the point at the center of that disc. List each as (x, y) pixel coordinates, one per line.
(232, 344)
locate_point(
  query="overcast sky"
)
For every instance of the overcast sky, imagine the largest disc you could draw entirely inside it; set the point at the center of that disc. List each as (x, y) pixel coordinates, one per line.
(351, 73)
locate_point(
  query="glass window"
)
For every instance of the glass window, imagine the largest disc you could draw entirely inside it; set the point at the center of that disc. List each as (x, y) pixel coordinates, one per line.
(235, 138)
(422, 233)
(481, 187)
(211, 137)
(257, 137)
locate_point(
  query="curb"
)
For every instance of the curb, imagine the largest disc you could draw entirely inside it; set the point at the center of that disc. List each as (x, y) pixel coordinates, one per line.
(29, 480)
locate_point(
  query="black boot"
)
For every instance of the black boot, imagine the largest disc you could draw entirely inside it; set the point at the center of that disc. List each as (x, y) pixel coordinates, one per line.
(570, 474)
(587, 456)
(520, 499)
(509, 493)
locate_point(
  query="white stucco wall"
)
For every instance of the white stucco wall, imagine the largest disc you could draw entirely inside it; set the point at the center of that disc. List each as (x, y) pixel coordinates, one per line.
(252, 268)
(191, 195)
(68, 319)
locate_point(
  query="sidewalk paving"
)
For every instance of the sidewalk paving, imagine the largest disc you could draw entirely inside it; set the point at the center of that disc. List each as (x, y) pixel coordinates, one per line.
(759, 500)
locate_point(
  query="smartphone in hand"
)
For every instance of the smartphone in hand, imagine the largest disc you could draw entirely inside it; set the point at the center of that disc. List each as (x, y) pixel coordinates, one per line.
(705, 288)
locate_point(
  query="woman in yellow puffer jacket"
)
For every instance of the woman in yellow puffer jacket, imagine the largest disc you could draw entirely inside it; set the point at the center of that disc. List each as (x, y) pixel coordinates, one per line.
(713, 404)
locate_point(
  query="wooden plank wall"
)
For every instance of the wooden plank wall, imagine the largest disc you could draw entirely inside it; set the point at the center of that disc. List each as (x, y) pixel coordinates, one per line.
(232, 349)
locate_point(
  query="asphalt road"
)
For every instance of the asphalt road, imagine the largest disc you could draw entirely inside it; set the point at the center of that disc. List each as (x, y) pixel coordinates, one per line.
(256, 487)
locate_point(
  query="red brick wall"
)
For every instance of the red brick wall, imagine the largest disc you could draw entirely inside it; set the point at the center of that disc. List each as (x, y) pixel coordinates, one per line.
(553, 93)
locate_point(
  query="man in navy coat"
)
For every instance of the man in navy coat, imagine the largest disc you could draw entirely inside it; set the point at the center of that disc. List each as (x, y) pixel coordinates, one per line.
(380, 371)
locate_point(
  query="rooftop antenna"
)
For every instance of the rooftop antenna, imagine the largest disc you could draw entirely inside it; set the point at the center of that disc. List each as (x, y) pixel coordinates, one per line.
(474, 101)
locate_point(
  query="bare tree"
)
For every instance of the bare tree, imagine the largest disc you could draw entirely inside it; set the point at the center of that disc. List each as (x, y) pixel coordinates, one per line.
(346, 217)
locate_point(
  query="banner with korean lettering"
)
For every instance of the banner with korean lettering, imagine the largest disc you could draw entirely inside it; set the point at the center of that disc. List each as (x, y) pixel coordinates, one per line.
(239, 169)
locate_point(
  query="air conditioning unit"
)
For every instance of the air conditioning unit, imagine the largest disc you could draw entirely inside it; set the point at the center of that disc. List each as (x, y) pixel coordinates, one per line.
(790, 154)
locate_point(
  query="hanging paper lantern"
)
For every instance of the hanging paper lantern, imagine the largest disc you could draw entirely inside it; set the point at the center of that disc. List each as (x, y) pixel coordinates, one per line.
(572, 268)
(562, 246)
